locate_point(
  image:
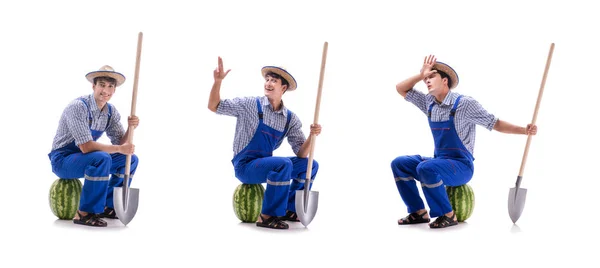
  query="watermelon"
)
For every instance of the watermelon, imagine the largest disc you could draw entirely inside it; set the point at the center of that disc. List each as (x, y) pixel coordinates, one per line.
(247, 201)
(462, 199)
(64, 198)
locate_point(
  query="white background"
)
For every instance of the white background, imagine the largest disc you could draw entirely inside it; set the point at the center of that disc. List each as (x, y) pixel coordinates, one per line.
(185, 177)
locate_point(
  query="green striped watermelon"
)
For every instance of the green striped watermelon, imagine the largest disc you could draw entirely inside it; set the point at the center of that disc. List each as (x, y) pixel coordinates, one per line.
(247, 201)
(64, 198)
(462, 199)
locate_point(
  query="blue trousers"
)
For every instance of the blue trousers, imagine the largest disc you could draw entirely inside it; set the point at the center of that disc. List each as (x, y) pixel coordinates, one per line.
(95, 168)
(277, 173)
(434, 174)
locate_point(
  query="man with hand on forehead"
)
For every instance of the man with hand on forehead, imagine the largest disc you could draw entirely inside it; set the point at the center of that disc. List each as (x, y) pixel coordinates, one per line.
(452, 118)
(76, 152)
(262, 124)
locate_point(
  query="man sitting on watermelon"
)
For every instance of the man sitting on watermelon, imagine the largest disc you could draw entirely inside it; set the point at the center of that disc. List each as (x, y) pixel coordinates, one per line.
(452, 119)
(262, 124)
(76, 152)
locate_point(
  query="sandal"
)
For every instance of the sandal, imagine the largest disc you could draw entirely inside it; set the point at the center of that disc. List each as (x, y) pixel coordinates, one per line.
(444, 221)
(414, 218)
(290, 216)
(273, 222)
(90, 219)
(108, 213)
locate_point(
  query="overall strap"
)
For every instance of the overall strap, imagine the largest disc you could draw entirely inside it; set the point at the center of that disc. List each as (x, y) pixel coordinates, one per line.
(430, 108)
(287, 124)
(453, 111)
(88, 110)
(109, 116)
(260, 112)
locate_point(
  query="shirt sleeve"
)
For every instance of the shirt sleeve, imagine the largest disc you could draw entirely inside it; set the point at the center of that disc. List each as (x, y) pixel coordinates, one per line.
(235, 106)
(78, 122)
(115, 130)
(417, 98)
(295, 135)
(475, 113)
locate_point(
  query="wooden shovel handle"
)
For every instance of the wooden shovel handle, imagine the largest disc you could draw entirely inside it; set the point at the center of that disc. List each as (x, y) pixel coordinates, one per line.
(134, 100)
(321, 77)
(316, 119)
(535, 113)
(137, 72)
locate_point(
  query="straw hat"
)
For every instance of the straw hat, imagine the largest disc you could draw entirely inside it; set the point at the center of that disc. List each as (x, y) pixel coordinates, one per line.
(283, 73)
(442, 67)
(108, 72)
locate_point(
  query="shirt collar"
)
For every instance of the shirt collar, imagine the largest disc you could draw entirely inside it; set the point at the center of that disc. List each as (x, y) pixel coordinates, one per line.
(264, 101)
(94, 106)
(448, 100)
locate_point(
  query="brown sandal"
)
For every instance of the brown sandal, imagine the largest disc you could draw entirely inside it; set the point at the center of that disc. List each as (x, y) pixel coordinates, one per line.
(414, 218)
(444, 221)
(273, 222)
(90, 219)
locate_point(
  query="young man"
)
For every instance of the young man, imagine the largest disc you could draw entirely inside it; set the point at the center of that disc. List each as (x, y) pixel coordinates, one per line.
(76, 154)
(452, 119)
(262, 124)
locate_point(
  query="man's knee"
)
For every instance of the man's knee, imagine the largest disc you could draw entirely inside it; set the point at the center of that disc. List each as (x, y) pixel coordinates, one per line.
(100, 158)
(399, 161)
(428, 173)
(284, 164)
(134, 161)
(315, 166)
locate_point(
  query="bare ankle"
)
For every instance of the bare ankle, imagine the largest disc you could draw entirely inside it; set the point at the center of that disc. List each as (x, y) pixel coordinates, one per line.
(423, 212)
(264, 217)
(78, 214)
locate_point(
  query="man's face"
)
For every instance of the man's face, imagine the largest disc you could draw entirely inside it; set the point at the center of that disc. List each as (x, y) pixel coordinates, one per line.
(103, 91)
(435, 82)
(273, 87)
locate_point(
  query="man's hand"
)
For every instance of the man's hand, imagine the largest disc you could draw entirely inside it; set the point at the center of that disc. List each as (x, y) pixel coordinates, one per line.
(428, 63)
(315, 129)
(133, 121)
(531, 129)
(126, 148)
(219, 74)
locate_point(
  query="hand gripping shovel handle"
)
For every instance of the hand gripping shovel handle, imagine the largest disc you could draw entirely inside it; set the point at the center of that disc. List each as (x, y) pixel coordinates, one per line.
(535, 113)
(316, 121)
(133, 107)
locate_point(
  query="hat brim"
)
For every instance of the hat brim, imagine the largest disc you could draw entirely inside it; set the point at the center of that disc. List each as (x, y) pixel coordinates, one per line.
(283, 73)
(442, 67)
(117, 76)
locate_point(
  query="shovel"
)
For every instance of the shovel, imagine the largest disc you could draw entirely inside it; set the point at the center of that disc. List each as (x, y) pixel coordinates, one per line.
(125, 198)
(517, 195)
(307, 201)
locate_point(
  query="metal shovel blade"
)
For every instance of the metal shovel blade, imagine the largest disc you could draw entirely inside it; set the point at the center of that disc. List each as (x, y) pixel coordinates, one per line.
(306, 210)
(516, 202)
(126, 205)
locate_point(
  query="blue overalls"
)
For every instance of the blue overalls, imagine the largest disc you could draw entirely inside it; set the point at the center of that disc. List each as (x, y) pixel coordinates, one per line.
(452, 165)
(256, 164)
(70, 163)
